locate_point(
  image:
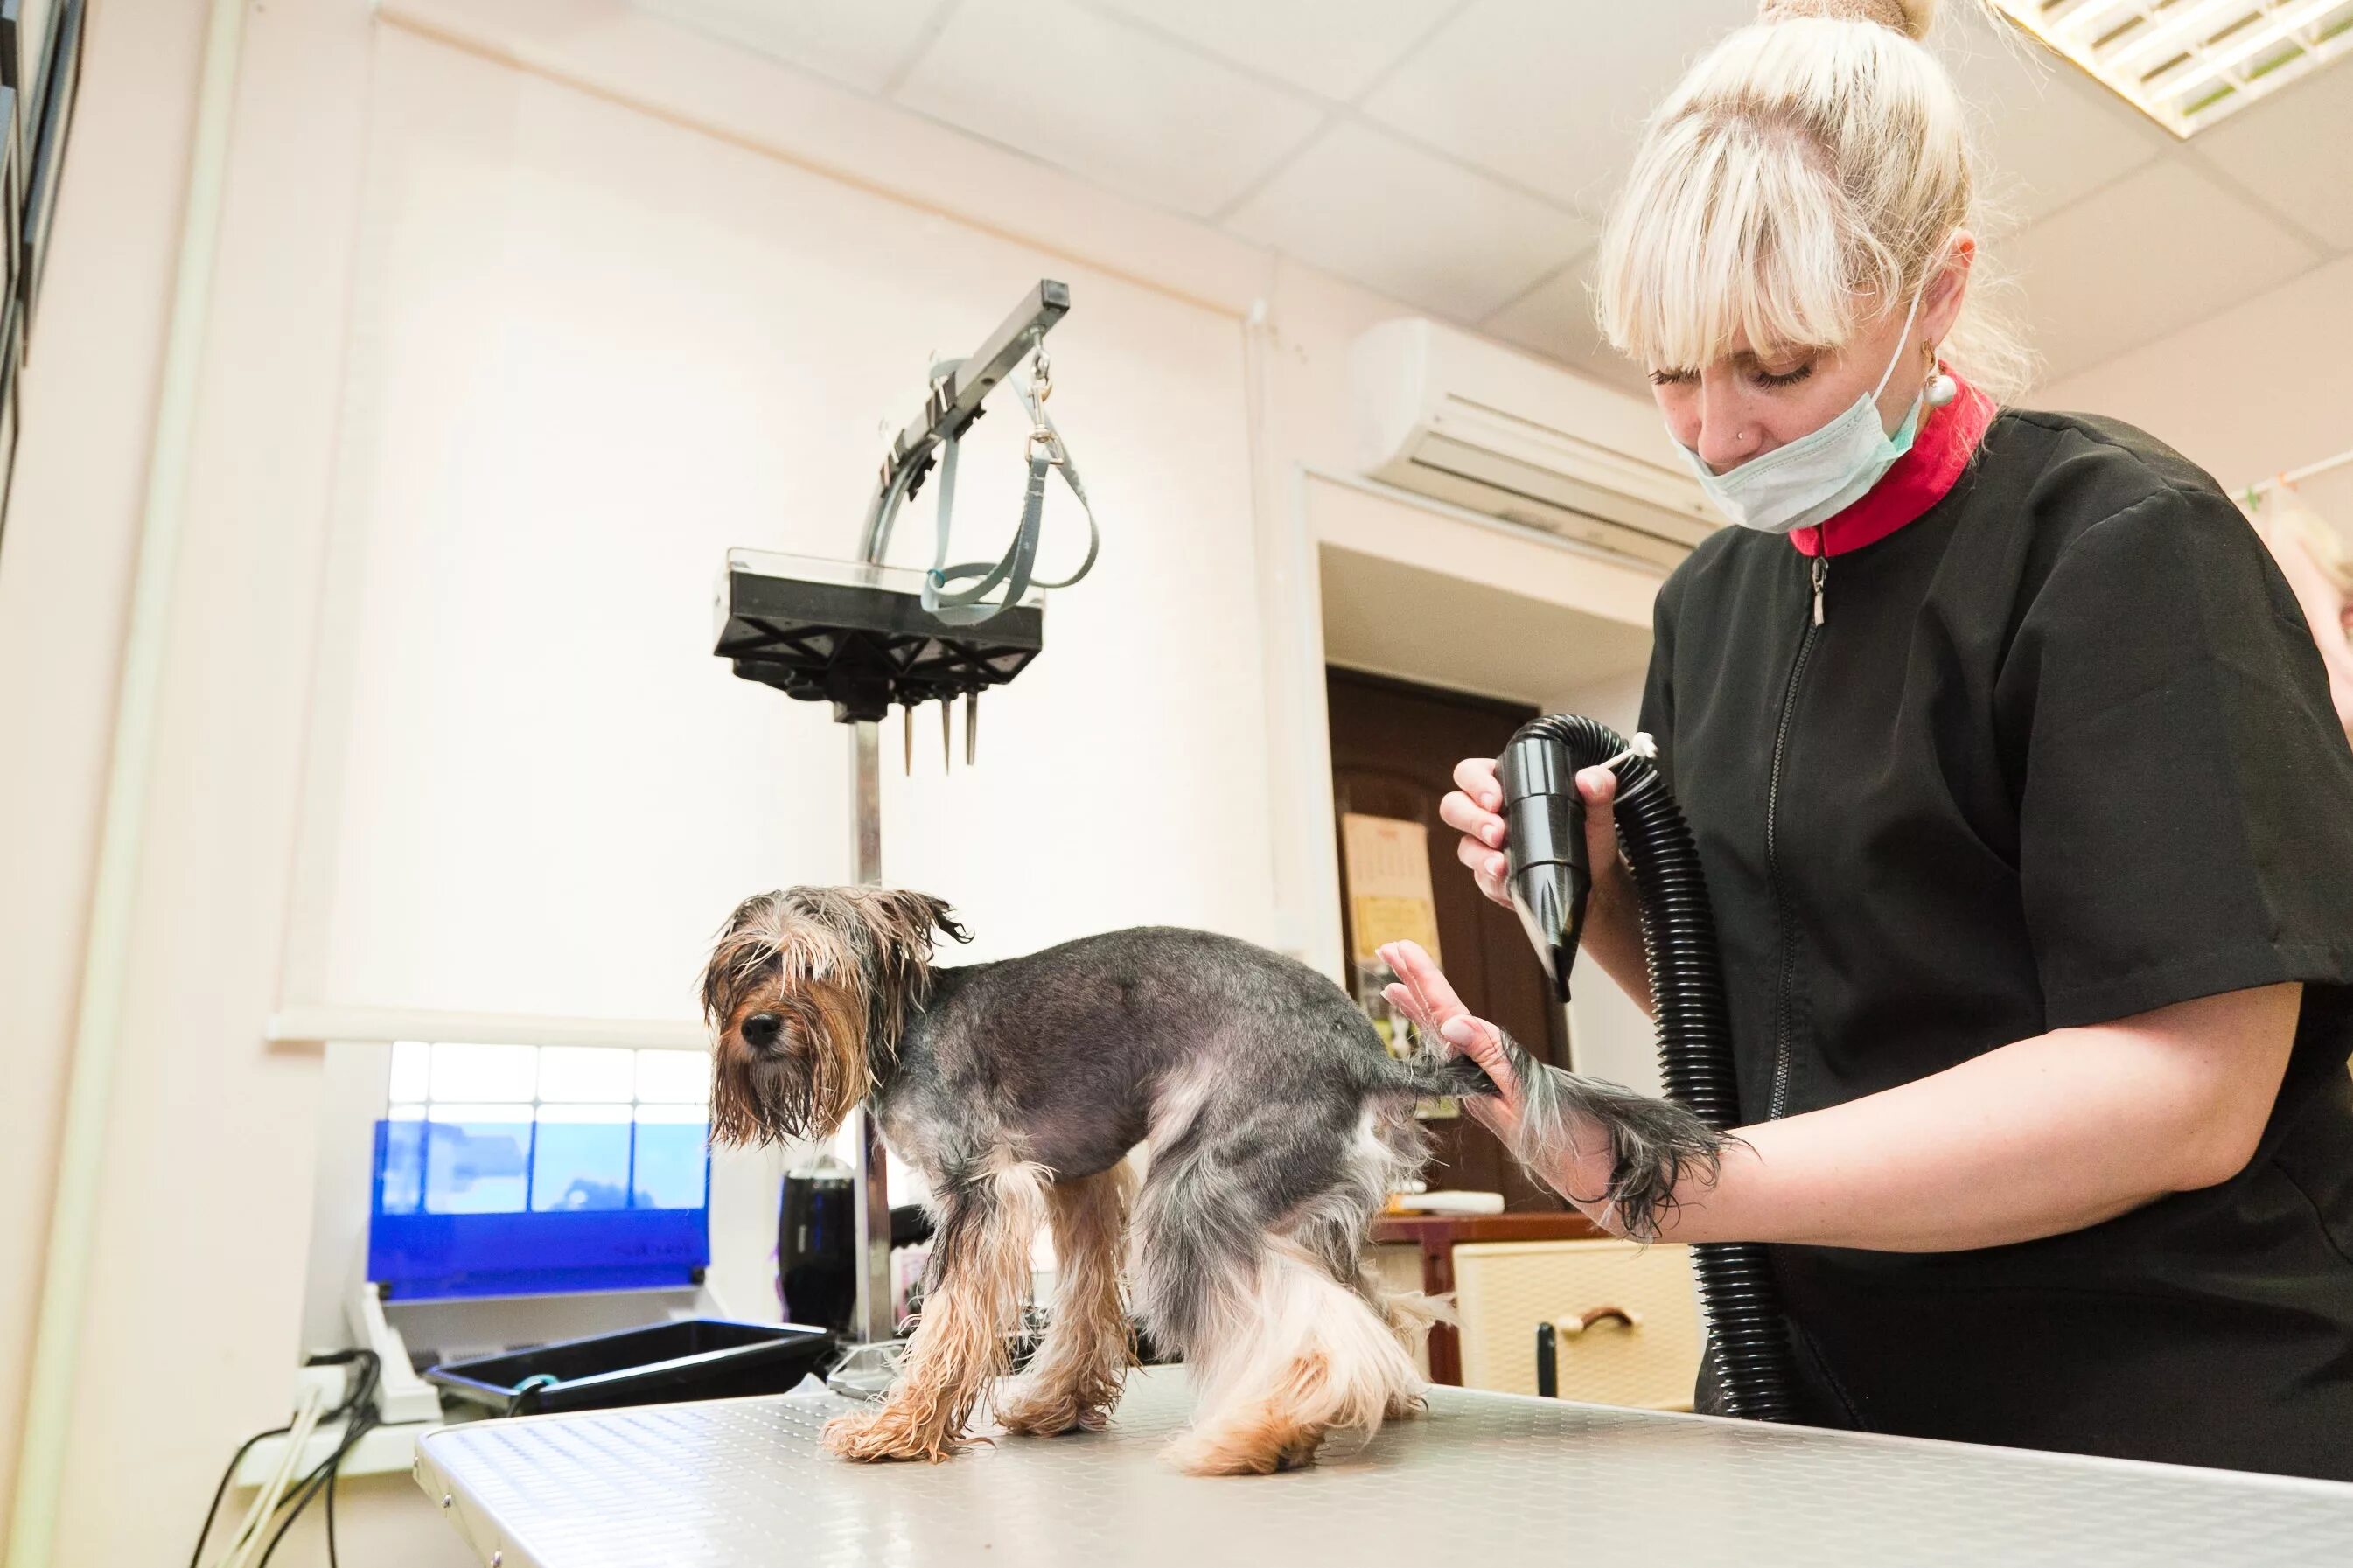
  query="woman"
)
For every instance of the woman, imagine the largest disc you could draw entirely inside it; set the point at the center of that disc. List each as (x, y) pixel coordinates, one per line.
(2027, 823)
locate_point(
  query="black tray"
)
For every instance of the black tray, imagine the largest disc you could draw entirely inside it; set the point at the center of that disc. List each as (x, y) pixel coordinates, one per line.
(699, 1358)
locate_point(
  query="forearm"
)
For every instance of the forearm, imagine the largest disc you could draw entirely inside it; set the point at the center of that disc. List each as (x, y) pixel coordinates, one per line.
(1613, 937)
(2037, 1138)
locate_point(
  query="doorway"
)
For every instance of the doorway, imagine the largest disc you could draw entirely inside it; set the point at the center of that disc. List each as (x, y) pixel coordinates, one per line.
(1394, 747)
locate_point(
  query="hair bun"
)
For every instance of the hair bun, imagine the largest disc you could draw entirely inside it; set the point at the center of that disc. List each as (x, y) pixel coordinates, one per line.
(1910, 18)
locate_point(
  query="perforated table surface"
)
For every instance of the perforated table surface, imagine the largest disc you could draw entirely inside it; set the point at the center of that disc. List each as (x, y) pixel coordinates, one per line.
(1484, 1480)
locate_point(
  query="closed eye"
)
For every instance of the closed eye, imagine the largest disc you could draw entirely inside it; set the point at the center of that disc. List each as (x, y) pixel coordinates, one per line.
(1782, 378)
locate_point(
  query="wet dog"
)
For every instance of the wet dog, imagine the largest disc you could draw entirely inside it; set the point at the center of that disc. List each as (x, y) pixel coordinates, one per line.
(1276, 1122)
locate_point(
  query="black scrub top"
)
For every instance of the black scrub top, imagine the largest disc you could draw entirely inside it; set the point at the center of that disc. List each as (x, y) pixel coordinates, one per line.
(2059, 752)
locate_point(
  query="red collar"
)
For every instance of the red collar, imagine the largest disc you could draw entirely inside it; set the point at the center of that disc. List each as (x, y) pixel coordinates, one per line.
(1919, 479)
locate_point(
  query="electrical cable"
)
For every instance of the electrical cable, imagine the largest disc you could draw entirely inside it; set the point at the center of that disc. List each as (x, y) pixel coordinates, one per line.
(359, 1418)
(204, 1532)
(359, 1415)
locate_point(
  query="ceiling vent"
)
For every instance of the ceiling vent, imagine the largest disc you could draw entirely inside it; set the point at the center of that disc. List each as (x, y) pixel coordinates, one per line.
(2188, 64)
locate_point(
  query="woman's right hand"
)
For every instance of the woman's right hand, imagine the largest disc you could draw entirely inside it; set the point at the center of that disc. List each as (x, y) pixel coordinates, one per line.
(1473, 808)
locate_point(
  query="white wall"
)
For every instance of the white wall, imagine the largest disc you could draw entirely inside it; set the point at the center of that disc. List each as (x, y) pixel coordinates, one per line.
(89, 400)
(599, 350)
(2261, 388)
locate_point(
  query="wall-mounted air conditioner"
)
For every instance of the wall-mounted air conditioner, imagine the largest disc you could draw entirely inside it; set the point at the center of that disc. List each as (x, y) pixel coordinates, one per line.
(1448, 415)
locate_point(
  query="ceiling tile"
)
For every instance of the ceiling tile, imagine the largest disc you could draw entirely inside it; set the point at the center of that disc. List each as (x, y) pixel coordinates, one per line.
(1370, 207)
(2294, 152)
(2147, 256)
(1552, 95)
(1333, 47)
(1106, 100)
(1556, 320)
(2050, 134)
(862, 45)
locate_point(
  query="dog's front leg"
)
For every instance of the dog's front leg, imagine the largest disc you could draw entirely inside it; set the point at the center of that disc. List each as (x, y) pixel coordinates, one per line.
(980, 1278)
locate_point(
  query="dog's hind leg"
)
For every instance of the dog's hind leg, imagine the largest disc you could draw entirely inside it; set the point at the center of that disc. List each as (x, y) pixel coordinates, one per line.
(1267, 1301)
(1075, 1378)
(980, 1281)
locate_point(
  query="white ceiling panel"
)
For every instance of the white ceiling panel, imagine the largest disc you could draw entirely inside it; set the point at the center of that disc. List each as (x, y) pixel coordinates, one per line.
(1551, 93)
(2295, 152)
(2050, 134)
(1106, 100)
(1556, 320)
(862, 45)
(2147, 256)
(1336, 49)
(1368, 206)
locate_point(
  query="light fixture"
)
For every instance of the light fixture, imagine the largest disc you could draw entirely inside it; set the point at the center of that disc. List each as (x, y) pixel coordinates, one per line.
(2187, 64)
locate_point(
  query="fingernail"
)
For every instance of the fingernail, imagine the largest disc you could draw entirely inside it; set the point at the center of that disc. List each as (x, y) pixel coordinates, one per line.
(1457, 1030)
(1495, 865)
(1492, 834)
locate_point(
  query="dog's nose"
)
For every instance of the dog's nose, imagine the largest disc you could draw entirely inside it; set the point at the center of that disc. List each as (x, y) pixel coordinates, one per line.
(761, 1030)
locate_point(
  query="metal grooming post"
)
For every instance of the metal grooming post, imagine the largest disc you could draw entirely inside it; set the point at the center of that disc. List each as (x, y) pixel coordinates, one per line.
(953, 402)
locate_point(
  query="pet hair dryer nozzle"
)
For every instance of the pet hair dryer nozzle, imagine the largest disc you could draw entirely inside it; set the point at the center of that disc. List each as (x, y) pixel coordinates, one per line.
(1547, 868)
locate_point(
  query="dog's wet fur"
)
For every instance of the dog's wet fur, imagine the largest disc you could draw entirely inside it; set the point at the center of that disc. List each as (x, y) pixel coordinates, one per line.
(1277, 1124)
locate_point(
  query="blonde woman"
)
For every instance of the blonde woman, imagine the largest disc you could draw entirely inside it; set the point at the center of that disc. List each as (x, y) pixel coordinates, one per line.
(2028, 825)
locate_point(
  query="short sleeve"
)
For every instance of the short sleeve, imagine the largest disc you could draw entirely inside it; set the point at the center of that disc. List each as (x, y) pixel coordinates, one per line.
(2185, 794)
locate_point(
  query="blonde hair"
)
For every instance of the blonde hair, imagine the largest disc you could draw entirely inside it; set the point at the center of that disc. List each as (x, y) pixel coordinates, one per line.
(1802, 179)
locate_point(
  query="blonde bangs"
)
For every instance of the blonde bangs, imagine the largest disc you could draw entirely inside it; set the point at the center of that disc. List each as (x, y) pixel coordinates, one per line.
(1730, 234)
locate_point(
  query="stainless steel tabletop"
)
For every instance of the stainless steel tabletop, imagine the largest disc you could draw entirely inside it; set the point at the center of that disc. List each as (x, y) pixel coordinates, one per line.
(1483, 1481)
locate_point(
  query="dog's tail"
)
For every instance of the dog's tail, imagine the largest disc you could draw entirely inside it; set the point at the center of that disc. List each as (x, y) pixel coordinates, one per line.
(1434, 1072)
(1655, 1144)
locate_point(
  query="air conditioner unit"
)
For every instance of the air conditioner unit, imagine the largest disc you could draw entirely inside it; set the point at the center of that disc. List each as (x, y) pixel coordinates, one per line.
(1447, 415)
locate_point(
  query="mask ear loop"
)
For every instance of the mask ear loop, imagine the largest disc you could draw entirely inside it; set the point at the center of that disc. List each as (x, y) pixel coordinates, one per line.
(1910, 316)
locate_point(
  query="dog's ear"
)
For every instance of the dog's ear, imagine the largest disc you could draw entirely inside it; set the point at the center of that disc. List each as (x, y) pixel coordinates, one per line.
(902, 921)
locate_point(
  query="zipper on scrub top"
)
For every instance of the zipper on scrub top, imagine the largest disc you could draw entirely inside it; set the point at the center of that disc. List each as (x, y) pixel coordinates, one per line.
(1819, 571)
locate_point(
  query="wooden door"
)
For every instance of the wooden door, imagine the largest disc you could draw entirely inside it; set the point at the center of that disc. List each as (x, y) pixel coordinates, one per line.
(1394, 747)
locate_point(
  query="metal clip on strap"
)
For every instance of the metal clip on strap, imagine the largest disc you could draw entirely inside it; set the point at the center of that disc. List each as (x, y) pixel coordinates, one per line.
(969, 606)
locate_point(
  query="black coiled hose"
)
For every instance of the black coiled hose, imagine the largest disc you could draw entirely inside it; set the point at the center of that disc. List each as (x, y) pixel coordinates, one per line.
(1736, 1289)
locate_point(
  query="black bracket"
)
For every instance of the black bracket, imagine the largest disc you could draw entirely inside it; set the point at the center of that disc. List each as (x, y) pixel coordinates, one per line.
(863, 645)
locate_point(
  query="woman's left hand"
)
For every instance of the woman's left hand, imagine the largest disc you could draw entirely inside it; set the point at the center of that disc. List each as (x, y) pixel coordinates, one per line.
(1423, 995)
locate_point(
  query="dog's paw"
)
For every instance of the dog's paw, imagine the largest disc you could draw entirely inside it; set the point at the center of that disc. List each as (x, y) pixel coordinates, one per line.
(1046, 1413)
(1261, 1449)
(888, 1433)
(1406, 1407)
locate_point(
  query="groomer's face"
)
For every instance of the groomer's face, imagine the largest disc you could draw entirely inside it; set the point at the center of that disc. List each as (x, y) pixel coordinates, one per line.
(1751, 401)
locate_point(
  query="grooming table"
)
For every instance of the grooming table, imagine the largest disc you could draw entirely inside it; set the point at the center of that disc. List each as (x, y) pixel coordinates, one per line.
(1487, 1479)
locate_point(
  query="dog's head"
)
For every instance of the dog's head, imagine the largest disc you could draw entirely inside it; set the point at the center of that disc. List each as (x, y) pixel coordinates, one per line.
(808, 990)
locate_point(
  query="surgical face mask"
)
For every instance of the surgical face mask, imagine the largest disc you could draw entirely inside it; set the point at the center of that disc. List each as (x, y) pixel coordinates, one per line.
(1819, 474)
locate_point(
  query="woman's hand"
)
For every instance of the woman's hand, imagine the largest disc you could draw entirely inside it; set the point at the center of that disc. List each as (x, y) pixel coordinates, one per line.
(1581, 1165)
(1473, 809)
(1613, 921)
(1422, 994)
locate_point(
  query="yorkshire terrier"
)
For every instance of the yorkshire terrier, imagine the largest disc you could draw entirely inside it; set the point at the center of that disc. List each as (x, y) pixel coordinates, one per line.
(1277, 1124)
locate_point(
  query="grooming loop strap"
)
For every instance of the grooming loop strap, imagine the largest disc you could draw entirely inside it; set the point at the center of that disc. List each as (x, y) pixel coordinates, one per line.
(1047, 454)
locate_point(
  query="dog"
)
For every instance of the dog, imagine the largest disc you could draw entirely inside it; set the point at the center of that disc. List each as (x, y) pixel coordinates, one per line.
(1276, 1121)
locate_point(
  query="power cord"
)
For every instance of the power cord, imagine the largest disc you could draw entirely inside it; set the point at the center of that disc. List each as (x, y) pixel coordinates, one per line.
(359, 1414)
